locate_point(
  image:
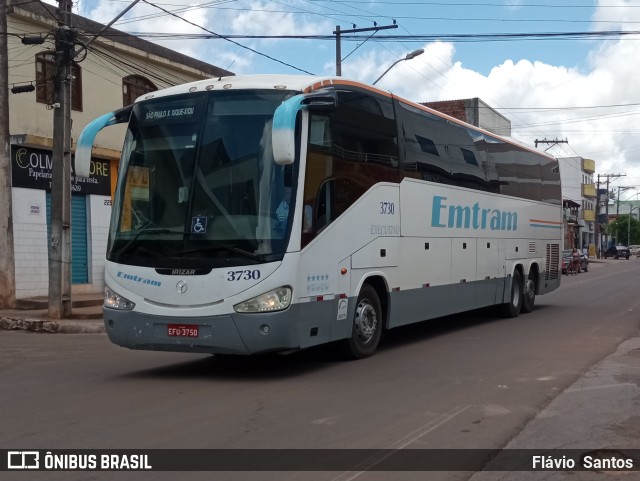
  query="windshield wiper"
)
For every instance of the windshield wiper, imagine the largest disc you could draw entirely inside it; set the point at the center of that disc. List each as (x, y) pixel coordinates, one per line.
(141, 231)
(228, 247)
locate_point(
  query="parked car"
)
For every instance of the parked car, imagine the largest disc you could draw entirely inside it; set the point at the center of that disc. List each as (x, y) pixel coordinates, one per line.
(567, 259)
(634, 250)
(617, 252)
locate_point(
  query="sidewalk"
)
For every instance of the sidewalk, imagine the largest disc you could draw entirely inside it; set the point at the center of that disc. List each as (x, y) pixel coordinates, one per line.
(32, 315)
(597, 415)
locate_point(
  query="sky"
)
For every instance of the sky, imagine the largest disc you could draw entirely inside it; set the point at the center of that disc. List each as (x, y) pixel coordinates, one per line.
(583, 88)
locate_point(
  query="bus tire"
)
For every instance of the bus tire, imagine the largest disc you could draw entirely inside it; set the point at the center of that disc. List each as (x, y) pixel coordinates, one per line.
(513, 307)
(367, 325)
(529, 294)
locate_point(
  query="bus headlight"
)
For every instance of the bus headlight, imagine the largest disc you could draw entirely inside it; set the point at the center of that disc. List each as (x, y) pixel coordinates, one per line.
(275, 300)
(114, 300)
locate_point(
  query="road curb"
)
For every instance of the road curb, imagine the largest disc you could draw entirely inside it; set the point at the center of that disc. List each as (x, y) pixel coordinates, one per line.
(51, 327)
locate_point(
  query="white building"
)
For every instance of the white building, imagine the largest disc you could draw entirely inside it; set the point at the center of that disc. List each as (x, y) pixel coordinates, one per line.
(579, 194)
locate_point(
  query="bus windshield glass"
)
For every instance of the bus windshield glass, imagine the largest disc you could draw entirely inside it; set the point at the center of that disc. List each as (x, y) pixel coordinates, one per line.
(198, 187)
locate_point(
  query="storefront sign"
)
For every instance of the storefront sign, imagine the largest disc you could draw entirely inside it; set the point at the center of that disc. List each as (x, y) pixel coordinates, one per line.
(31, 168)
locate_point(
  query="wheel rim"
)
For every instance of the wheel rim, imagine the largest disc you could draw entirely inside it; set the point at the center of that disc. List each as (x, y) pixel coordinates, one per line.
(515, 294)
(530, 289)
(366, 321)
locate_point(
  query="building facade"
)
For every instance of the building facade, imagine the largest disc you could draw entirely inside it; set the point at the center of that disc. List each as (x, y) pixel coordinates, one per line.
(579, 199)
(475, 112)
(111, 74)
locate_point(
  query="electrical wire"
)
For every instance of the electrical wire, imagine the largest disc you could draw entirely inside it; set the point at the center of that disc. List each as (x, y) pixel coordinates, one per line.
(468, 4)
(453, 38)
(233, 42)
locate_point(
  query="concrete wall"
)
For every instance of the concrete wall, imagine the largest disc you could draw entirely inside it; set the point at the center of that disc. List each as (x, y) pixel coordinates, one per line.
(31, 248)
(30, 242)
(100, 213)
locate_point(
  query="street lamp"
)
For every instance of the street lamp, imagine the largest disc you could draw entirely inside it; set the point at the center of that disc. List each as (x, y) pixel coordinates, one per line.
(409, 56)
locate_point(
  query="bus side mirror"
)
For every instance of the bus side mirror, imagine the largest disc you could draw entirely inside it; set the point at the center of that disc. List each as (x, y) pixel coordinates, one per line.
(82, 159)
(321, 101)
(284, 121)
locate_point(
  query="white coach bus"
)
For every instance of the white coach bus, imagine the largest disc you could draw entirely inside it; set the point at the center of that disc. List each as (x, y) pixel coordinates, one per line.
(271, 213)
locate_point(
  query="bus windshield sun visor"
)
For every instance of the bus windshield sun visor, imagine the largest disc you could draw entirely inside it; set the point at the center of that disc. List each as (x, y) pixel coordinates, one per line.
(88, 135)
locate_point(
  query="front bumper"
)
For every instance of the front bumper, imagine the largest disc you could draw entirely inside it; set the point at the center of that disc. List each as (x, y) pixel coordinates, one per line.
(223, 334)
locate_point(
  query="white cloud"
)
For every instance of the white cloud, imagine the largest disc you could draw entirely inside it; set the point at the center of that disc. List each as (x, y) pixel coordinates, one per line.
(228, 18)
(609, 76)
(607, 135)
(259, 21)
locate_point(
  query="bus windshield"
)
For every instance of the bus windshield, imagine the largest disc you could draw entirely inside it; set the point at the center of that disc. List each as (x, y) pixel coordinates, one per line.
(198, 186)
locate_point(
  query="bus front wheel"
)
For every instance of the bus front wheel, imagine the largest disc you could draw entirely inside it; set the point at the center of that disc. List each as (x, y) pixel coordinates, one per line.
(367, 325)
(512, 308)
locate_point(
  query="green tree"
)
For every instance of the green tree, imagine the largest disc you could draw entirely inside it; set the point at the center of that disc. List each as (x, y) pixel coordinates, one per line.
(622, 227)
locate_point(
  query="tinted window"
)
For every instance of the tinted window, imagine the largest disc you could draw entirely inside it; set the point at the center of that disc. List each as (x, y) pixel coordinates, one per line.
(438, 150)
(523, 173)
(350, 150)
(199, 186)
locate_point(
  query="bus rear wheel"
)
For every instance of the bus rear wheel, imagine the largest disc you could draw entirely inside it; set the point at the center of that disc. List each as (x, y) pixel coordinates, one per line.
(367, 325)
(513, 307)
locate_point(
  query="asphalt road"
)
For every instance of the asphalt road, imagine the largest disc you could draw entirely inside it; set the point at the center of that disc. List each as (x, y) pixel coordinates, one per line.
(467, 381)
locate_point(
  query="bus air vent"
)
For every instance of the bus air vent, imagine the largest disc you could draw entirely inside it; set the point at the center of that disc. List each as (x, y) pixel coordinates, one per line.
(552, 262)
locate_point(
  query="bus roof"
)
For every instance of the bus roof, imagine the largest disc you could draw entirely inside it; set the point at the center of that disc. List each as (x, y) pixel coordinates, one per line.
(306, 84)
(239, 82)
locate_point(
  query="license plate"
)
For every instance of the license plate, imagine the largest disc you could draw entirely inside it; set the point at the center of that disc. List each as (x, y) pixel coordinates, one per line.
(182, 330)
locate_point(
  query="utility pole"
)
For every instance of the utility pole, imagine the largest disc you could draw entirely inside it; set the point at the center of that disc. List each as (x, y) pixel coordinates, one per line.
(550, 142)
(7, 261)
(598, 242)
(609, 177)
(620, 190)
(60, 241)
(338, 32)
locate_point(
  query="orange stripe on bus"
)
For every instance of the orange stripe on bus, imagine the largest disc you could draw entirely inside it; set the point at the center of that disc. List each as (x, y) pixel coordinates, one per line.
(545, 221)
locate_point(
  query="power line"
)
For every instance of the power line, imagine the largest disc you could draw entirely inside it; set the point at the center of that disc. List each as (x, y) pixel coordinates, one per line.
(467, 4)
(575, 107)
(370, 16)
(373, 16)
(454, 38)
(229, 40)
